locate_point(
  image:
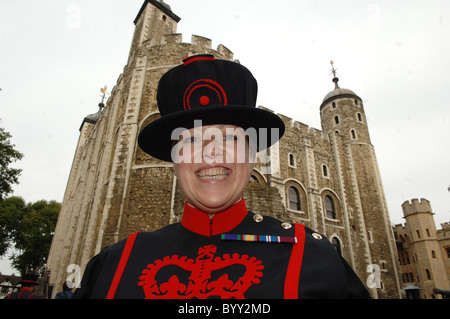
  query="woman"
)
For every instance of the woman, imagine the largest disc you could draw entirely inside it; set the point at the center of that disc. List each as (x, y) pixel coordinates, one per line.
(211, 130)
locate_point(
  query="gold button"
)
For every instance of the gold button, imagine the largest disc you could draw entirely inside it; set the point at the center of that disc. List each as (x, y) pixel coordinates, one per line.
(258, 218)
(317, 236)
(286, 225)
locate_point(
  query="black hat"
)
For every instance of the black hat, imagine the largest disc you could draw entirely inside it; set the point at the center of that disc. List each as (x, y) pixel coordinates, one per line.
(29, 280)
(213, 91)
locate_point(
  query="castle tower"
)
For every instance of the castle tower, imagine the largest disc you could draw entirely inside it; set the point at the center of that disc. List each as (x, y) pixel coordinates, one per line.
(364, 205)
(115, 189)
(424, 260)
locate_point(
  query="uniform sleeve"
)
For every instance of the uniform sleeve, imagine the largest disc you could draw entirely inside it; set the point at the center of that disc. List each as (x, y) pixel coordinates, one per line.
(325, 274)
(88, 282)
(356, 289)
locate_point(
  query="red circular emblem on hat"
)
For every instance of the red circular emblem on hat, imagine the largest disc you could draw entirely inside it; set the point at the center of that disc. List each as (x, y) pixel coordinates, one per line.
(204, 100)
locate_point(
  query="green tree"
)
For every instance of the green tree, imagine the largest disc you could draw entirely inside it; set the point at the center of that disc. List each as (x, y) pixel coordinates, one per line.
(8, 155)
(11, 210)
(29, 228)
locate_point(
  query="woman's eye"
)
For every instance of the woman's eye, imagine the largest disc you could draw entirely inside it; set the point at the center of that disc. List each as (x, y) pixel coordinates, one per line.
(230, 138)
(191, 139)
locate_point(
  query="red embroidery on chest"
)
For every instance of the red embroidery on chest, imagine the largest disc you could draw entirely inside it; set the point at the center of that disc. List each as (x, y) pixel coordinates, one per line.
(199, 285)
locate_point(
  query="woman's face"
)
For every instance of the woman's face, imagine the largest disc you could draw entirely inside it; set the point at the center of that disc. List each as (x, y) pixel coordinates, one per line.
(213, 164)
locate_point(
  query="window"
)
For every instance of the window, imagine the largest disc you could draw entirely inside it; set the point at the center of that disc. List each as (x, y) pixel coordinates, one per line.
(418, 233)
(369, 236)
(329, 207)
(359, 117)
(294, 199)
(253, 179)
(428, 273)
(334, 105)
(428, 232)
(337, 244)
(353, 134)
(336, 119)
(325, 170)
(291, 160)
(433, 254)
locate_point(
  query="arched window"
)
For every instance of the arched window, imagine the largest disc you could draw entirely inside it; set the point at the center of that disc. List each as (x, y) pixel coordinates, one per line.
(359, 117)
(294, 199)
(337, 244)
(353, 134)
(291, 160)
(329, 207)
(325, 170)
(428, 274)
(336, 119)
(257, 178)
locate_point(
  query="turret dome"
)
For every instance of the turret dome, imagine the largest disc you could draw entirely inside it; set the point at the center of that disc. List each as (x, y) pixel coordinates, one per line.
(338, 92)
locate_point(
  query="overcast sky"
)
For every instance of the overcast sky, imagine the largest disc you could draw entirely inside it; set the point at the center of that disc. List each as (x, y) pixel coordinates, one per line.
(55, 55)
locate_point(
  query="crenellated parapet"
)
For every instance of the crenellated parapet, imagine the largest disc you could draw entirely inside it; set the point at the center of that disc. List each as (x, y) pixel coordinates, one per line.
(415, 206)
(198, 45)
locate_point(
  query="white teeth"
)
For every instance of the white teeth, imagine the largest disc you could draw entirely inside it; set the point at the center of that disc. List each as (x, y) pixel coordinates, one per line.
(213, 173)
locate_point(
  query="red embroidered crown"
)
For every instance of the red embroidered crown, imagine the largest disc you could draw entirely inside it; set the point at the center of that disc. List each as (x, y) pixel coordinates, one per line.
(199, 285)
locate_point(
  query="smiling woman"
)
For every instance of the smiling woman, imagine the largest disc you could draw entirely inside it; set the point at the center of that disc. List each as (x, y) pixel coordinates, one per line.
(220, 249)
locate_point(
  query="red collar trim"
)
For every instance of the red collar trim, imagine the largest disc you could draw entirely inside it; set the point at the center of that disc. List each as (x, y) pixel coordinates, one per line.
(200, 223)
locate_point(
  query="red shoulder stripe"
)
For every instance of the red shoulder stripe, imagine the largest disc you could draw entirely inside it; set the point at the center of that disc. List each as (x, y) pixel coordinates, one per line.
(122, 263)
(295, 264)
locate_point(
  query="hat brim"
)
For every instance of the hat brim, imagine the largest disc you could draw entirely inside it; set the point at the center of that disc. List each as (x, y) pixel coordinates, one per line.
(156, 138)
(28, 282)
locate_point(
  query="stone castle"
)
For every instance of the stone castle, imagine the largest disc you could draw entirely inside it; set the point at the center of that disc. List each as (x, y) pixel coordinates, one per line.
(424, 252)
(326, 179)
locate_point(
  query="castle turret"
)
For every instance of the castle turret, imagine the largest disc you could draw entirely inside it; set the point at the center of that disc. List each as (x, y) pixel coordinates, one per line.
(344, 124)
(154, 20)
(342, 112)
(425, 263)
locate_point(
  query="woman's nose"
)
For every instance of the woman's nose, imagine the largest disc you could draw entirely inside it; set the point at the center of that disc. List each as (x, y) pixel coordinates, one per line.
(213, 151)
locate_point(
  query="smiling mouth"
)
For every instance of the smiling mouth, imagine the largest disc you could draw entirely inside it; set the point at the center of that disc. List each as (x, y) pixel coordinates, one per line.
(215, 173)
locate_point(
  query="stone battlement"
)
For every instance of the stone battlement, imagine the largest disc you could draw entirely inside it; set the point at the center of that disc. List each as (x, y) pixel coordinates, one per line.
(415, 206)
(196, 40)
(445, 225)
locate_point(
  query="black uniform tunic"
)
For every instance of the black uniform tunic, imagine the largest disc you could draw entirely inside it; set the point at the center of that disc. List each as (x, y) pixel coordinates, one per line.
(234, 254)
